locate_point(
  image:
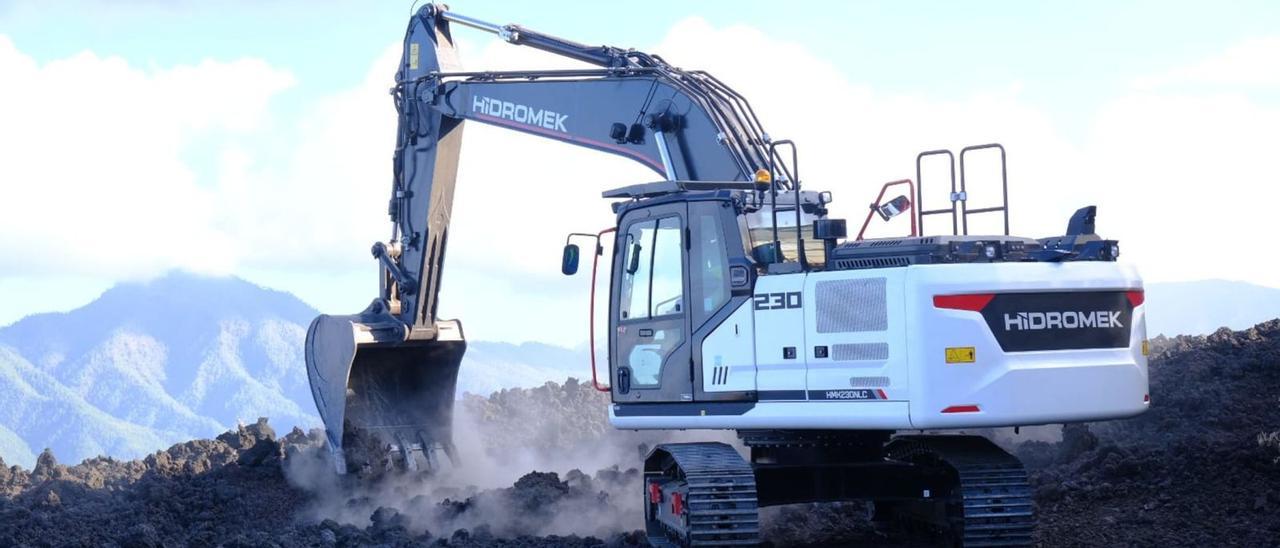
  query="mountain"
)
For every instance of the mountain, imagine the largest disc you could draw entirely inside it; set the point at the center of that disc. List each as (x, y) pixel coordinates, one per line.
(14, 448)
(184, 357)
(1201, 307)
(41, 412)
(181, 353)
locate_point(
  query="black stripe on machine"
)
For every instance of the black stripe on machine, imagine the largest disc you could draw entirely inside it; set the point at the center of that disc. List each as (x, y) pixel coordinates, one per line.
(683, 409)
(781, 395)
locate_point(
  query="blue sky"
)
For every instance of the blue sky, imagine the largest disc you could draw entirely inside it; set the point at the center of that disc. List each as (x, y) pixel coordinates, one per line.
(1069, 55)
(1099, 101)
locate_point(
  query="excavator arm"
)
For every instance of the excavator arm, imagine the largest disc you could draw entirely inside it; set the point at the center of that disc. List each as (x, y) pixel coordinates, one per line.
(385, 377)
(683, 125)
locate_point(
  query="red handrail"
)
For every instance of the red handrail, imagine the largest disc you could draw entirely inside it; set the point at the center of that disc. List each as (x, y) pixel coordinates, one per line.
(591, 334)
(911, 191)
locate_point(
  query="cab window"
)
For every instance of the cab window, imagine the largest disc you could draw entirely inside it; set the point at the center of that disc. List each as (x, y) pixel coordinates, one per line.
(653, 275)
(710, 271)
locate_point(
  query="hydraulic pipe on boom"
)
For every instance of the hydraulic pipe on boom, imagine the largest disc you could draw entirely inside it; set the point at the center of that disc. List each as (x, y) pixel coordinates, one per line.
(602, 55)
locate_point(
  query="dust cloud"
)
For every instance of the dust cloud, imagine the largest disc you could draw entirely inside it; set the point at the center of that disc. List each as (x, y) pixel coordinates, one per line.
(537, 462)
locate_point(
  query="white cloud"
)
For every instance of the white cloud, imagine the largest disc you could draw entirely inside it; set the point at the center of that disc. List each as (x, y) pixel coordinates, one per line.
(1254, 62)
(94, 179)
(318, 202)
(92, 173)
(1180, 176)
(853, 138)
(1191, 178)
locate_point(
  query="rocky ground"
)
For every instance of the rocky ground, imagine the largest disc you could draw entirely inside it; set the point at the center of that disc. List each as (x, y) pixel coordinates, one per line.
(1201, 468)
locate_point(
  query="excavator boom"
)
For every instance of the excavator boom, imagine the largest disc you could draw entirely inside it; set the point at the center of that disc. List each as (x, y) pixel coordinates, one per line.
(384, 379)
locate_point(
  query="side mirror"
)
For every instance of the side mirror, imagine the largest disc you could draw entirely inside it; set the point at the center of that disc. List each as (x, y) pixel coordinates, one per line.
(893, 208)
(634, 263)
(569, 260)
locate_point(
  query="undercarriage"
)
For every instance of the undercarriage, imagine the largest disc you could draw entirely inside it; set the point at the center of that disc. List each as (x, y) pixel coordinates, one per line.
(964, 489)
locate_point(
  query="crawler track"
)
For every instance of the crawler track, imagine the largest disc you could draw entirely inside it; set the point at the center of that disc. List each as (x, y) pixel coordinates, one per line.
(993, 498)
(717, 493)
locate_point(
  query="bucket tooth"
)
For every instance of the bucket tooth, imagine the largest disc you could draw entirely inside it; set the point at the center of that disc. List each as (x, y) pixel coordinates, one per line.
(339, 462)
(408, 452)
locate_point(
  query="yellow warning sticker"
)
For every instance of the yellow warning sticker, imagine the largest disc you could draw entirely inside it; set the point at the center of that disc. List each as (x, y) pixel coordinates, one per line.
(961, 354)
(1146, 347)
(413, 56)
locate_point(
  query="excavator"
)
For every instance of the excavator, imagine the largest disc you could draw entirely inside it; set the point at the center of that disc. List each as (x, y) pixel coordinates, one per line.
(850, 369)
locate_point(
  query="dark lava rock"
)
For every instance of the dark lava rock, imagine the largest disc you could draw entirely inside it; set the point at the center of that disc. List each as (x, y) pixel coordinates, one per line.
(1200, 468)
(1192, 470)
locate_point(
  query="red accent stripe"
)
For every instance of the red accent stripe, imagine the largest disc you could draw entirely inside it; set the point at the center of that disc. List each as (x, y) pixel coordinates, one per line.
(607, 147)
(961, 409)
(655, 493)
(591, 315)
(1136, 298)
(883, 396)
(972, 303)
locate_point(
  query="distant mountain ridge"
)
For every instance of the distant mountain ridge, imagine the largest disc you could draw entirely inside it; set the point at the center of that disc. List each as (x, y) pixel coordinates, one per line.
(1202, 307)
(186, 356)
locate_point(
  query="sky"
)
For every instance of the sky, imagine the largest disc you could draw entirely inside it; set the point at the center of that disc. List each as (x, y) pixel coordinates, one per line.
(254, 138)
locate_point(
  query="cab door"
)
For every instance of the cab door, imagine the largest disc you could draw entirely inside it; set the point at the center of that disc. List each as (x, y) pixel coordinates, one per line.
(650, 344)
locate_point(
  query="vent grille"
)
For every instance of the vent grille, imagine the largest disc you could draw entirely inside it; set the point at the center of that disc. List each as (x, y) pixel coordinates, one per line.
(868, 382)
(928, 240)
(854, 352)
(851, 306)
(885, 243)
(877, 262)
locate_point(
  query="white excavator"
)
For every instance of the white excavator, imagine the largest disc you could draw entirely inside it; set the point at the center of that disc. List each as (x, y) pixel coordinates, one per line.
(736, 303)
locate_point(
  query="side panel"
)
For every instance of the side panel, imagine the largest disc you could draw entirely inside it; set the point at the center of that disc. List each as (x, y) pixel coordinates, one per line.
(855, 335)
(988, 386)
(779, 329)
(723, 327)
(729, 354)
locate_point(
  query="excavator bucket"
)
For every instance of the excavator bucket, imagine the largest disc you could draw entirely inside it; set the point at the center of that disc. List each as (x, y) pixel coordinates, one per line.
(384, 379)
(386, 402)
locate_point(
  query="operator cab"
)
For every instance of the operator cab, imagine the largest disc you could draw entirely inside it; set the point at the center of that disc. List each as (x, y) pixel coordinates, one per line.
(680, 268)
(686, 257)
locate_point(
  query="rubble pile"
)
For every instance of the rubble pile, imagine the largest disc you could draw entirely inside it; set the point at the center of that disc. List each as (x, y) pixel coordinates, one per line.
(1199, 468)
(569, 416)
